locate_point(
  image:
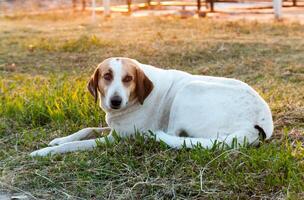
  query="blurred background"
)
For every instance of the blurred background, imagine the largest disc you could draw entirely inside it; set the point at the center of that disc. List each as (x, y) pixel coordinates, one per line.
(185, 8)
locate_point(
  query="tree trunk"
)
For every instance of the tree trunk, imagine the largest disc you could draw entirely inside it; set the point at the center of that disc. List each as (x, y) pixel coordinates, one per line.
(83, 5)
(74, 4)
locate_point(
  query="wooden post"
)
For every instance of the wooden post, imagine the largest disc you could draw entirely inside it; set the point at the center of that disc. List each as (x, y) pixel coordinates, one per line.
(129, 2)
(277, 6)
(83, 5)
(198, 6)
(294, 2)
(74, 4)
(149, 3)
(211, 5)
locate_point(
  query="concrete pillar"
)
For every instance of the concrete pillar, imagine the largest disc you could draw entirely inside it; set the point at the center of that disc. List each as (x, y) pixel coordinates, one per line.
(277, 7)
(93, 10)
(106, 7)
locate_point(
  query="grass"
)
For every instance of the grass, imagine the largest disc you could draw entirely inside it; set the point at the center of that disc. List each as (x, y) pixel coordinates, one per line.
(46, 60)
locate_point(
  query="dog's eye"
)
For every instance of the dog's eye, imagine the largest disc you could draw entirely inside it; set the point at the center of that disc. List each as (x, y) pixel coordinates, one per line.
(127, 79)
(107, 76)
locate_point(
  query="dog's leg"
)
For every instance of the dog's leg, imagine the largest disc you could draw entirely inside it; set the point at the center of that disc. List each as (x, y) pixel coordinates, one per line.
(236, 140)
(79, 135)
(72, 146)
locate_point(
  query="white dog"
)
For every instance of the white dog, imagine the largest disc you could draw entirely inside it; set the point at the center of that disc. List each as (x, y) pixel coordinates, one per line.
(179, 108)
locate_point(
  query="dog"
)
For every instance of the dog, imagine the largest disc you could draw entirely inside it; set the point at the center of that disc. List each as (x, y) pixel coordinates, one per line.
(179, 108)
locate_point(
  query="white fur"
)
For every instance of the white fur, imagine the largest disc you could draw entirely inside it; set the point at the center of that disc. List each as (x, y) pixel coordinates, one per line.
(207, 108)
(116, 88)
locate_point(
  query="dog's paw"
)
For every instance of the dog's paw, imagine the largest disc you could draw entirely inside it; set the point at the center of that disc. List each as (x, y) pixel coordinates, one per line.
(59, 141)
(43, 152)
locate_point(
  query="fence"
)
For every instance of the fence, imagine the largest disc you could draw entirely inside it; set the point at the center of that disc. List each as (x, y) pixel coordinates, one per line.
(13, 6)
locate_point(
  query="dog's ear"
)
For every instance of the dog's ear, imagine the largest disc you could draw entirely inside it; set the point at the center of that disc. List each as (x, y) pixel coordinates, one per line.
(144, 86)
(93, 84)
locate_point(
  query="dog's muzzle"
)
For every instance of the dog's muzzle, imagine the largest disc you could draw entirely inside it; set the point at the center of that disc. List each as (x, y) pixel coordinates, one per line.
(116, 102)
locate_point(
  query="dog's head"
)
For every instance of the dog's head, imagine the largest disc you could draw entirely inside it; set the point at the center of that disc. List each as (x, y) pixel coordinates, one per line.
(119, 81)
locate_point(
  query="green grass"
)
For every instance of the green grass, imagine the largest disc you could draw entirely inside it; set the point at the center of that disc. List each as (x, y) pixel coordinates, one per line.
(46, 61)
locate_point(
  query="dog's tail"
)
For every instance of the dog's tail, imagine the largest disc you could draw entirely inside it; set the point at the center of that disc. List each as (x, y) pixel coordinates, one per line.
(233, 140)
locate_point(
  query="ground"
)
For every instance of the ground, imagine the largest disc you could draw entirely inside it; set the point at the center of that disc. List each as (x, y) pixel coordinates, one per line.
(46, 61)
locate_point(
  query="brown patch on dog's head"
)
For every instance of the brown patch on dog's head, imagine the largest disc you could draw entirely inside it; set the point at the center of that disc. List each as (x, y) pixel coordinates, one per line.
(141, 85)
(144, 86)
(101, 77)
(93, 84)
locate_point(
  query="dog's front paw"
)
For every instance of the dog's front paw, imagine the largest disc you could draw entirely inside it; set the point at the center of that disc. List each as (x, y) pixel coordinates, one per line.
(43, 152)
(59, 141)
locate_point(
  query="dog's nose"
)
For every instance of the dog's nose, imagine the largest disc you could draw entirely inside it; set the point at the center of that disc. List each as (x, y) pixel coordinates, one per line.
(116, 102)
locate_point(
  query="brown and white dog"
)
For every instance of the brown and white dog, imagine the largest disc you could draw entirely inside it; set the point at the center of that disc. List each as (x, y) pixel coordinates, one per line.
(179, 108)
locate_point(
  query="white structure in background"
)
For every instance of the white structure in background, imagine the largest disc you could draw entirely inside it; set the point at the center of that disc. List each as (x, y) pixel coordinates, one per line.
(277, 6)
(93, 10)
(106, 7)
